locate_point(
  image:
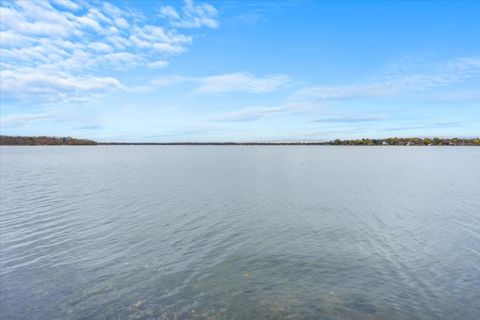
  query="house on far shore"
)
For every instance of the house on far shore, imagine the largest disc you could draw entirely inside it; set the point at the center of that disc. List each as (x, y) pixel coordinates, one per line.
(385, 143)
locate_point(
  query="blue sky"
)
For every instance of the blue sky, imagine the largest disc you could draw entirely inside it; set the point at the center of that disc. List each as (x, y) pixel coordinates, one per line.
(239, 70)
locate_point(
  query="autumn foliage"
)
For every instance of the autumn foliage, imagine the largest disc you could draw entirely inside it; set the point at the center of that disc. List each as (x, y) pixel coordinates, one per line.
(44, 141)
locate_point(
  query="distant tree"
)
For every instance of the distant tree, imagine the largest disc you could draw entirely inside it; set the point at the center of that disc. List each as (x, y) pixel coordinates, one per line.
(8, 140)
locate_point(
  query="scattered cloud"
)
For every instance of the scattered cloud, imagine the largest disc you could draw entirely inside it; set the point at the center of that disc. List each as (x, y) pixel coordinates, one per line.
(192, 15)
(57, 48)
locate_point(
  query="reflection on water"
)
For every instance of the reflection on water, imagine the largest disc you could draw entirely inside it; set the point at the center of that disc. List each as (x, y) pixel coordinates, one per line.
(204, 232)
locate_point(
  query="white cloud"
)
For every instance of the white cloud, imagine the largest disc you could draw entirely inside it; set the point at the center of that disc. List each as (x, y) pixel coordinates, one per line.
(192, 16)
(11, 39)
(100, 46)
(72, 41)
(26, 82)
(158, 40)
(167, 48)
(122, 23)
(119, 60)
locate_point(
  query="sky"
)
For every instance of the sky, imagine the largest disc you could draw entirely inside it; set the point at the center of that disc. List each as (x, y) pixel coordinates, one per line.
(172, 71)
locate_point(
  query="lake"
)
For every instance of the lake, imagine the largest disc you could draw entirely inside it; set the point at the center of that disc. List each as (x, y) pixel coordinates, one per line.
(240, 232)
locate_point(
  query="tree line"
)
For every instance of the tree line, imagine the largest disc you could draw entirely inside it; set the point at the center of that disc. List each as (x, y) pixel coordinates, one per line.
(53, 141)
(44, 141)
(409, 142)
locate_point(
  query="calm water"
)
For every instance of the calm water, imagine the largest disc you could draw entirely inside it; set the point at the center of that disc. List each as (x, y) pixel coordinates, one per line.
(205, 232)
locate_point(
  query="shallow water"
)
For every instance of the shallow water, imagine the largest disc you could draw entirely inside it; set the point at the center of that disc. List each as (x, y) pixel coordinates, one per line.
(240, 232)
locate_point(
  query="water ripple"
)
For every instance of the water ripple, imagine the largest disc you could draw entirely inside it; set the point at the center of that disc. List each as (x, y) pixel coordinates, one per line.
(237, 232)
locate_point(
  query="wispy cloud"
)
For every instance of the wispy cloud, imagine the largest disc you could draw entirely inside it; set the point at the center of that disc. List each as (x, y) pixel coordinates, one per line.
(454, 96)
(158, 64)
(260, 112)
(57, 49)
(170, 80)
(359, 119)
(251, 18)
(22, 119)
(450, 72)
(318, 97)
(248, 114)
(226, 83)
(448, 124)
(240, 81)
(89, 127)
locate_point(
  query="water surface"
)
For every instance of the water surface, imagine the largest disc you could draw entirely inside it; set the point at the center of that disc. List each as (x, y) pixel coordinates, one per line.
(240, 232)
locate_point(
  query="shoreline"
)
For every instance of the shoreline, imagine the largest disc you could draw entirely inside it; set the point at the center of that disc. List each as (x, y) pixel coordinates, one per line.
(412, 141)
(173, 144)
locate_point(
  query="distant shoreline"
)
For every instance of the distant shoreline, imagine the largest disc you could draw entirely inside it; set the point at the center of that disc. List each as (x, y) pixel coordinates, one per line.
(69, 141)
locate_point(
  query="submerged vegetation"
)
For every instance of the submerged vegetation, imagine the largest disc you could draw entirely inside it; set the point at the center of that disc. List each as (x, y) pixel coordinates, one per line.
(33, 141)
